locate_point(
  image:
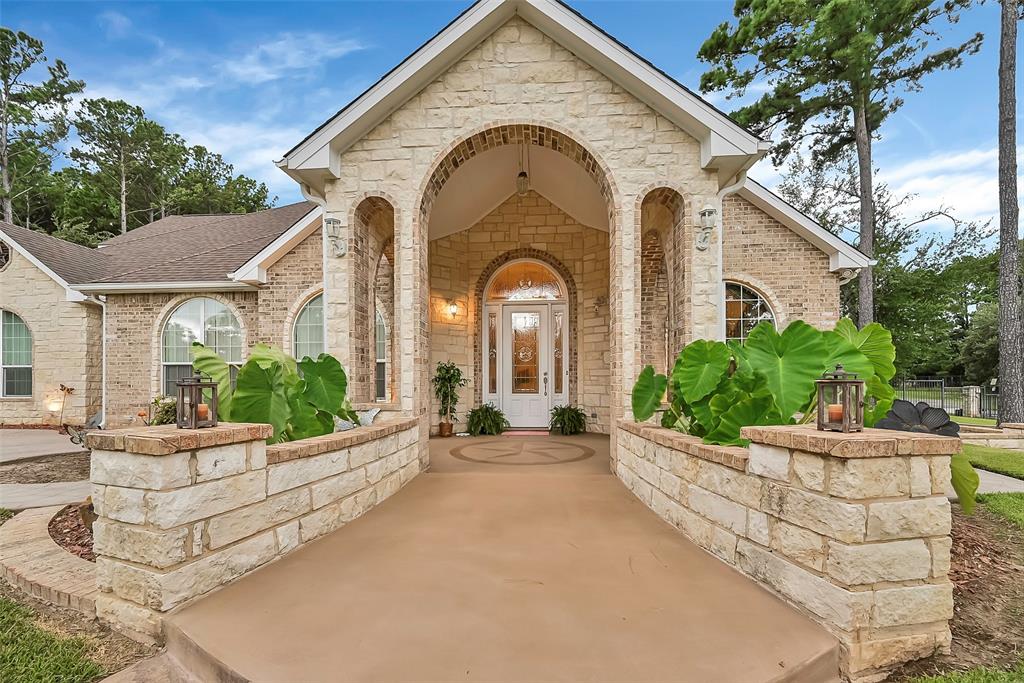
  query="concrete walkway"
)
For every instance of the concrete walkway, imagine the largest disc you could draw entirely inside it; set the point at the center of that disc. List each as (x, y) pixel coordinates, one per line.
(993, 482)
(26, 444)
(25, 496)
(489, 572)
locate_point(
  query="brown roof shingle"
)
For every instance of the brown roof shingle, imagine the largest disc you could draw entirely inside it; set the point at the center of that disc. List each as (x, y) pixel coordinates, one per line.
(72, 262)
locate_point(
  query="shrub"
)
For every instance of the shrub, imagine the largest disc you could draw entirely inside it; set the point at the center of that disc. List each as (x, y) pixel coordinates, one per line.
(568, 420)
(447, 381)
(486, 419)
(163, 410)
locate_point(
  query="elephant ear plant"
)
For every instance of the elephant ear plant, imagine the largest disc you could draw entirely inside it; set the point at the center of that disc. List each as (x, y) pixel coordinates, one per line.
(447, 381)
(299, 399)
(716, 388)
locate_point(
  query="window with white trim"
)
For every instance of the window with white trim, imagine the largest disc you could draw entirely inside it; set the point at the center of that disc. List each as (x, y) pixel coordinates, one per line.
(744, 310)
(308, 330)
(202, 320)
(15, 356)
(380, 333)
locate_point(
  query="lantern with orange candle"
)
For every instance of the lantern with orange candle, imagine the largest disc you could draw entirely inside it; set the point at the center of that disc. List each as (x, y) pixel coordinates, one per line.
(840, 401)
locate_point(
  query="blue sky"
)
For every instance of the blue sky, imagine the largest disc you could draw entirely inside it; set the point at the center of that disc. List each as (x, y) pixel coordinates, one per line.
(250, 79)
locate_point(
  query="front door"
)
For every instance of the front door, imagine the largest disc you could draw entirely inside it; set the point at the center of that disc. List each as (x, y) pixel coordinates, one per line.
(526, 349)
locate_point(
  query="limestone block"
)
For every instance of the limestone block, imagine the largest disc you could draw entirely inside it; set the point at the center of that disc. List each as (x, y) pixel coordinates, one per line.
(731, 515)
(671, 485)
(356, 505)
(122, 504)
(335, 488)
(409, 471)
(238, 524)
(140, 471)
(909, 519)
(387, 487)
(887, 652)
(221, 461)
(876, 562)
(832, 518)
(376, 470)
(809, 470)
(912, 605)
(257, 455)
(799, 544)
(697, 529)
(769, 461)
(319, 522)
(729, 483)
(920, 478)
(757, 527)
(940, 548)
(723, 544)
(287, 537)
(138, 623)
(939, 466)
(843, 609)
(860, 478)
(159, 549)
(167, 509)
(288, 475)
(362, 454)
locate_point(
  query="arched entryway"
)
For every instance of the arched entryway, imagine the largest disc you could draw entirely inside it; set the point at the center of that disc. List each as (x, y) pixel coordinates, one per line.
(524, 348)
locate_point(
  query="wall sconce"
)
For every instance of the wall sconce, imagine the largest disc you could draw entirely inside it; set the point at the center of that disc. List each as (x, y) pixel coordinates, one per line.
(332, 227)
(708, 222)
(453, 308)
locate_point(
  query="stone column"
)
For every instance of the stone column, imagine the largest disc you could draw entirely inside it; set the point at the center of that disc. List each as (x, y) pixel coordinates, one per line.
(706, 306)
(972, 401)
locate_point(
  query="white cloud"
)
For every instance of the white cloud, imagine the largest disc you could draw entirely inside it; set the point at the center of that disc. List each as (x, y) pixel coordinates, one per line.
(115, 24)
(288, 54)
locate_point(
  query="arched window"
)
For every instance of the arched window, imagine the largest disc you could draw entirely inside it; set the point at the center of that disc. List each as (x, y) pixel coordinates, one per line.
(308, 331)
(524, 281)
(202, 320)
(15, 356)
(381, 369)
(744, 309)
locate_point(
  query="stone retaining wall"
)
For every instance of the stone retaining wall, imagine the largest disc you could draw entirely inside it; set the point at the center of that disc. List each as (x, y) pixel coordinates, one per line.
(182, 512)
(853, 529)
(1007, 435)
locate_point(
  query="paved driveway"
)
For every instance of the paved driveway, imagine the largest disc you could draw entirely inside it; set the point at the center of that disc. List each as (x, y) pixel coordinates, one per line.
(490, 574)
(24, 444)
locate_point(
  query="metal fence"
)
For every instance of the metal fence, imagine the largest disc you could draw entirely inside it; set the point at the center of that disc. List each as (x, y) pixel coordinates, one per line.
(967, 401)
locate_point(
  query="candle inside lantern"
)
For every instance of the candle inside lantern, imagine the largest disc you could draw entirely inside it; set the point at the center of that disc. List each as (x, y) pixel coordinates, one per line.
(835, 412)
(203, 411)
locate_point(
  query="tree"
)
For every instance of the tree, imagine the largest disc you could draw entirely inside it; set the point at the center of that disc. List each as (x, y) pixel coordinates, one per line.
(208, 184)
(33, 115)
(980, 353)
(79, 232)
(118, 144)
(832, 71)
(1011, 323)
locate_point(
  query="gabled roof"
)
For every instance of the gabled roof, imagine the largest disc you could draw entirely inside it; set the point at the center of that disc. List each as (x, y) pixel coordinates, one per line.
(725, 145)
(842, 255)
(173, 253)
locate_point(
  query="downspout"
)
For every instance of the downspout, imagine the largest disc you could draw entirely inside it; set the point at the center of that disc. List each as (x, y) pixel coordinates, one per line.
(741, 179)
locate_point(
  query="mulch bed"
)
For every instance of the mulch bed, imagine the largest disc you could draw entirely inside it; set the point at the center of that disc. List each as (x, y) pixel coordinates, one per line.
(69, 532)
(74, 467)
(987, 572)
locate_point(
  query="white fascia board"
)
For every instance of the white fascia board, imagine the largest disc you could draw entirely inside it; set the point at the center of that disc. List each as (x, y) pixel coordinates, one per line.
(254, 271)
(183, 286)
(69, 293)
(842, 256)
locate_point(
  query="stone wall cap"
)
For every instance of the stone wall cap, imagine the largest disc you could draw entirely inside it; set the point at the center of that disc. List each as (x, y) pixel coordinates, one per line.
(730, 456)
(336, 441)
(870, 443)
(168, 439)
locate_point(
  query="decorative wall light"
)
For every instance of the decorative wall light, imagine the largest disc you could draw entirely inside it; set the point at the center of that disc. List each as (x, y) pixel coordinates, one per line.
(708, 222)
(453, 308)
(332, 227)
(523, 179)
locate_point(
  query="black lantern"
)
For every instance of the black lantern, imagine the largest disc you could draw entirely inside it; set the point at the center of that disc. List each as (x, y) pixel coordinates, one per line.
(197, 402)
(840, 401)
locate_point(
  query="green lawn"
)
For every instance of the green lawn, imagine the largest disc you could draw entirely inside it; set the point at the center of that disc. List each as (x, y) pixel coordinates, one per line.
(980, 421)
(28, 654)
(5, 515)
(1002, 460)
(1007, 505)
(977, 676)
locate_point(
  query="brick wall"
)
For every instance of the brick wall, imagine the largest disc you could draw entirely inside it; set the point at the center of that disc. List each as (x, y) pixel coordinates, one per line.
(65, 347)
(457, 268)
(288, 283)
(790, 271)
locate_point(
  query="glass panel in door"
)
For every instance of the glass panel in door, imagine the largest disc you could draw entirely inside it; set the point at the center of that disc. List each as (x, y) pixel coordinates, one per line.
(525, 354)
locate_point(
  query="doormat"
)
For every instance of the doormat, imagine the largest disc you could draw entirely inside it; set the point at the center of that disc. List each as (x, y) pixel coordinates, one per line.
(525, 432)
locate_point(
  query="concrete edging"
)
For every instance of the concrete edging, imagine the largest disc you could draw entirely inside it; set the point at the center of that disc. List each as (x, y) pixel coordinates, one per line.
(34, 563)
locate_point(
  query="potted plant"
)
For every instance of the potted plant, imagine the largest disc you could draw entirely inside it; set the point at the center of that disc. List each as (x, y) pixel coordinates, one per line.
(486, 419)
(568, 420)
(447, 381)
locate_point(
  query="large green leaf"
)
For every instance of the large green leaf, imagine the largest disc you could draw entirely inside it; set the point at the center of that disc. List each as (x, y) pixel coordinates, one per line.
(965, 481)
(261, 395)
(305, 420)
(753, 410)
(790, 362)
(878, 399)
(648, 393)
(325, 382)
(875, 342)
(209, 362)
(842, 352)
(704, 364)
(264, 355)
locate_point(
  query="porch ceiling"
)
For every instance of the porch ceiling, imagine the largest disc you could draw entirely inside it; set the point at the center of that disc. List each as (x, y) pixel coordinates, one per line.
(488, 179)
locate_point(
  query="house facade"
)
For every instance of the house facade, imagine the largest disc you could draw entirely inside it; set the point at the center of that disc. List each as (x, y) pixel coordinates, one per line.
(522, 196)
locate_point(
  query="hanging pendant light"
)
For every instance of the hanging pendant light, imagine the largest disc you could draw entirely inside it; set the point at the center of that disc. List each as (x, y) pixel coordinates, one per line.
(522, 180)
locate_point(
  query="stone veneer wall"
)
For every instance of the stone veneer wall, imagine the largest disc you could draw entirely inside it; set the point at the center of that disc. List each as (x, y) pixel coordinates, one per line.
(788, 270)
(65, 347)
(458, 263)
(184, 512)
(852, 529)
(134, 323)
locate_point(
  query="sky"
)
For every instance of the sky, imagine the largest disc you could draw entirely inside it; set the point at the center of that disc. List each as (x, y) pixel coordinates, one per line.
(251, 79)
